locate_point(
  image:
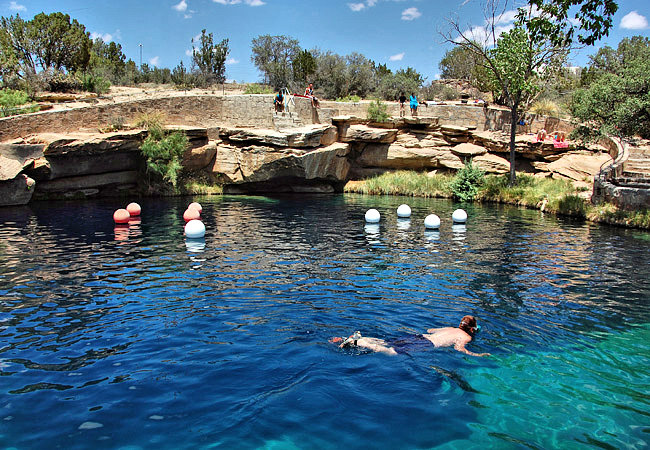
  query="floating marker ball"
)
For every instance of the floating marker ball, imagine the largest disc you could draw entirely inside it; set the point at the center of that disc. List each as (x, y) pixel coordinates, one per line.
(194, 229)
(459, 216)
(432, 222)
(404, 211)
(121, 216)
(134, 209)
(372, 216)
(197, 206)
(191, 214)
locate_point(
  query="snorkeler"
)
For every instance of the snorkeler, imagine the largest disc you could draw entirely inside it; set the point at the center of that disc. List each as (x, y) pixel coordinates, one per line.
(439, 337)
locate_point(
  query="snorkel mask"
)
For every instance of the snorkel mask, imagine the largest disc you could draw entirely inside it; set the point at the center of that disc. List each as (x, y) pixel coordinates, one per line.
(352, 339)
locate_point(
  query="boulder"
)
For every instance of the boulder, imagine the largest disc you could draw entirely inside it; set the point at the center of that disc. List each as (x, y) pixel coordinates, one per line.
(256, 164)
(468, 150)
(304, 137)
(492, 163)
(420, 140)
(363, 133)
(39, 169)
(14, 158)
(578, 165)
(17, 191)
(73, 164)
(92, 144)
(200, 157)
(454, 130)
(396, 156)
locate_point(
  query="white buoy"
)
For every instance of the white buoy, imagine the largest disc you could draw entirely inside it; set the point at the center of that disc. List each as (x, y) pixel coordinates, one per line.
(194, 229)
(404, 211)
(432, 222)
(372, 216)
(459, 216)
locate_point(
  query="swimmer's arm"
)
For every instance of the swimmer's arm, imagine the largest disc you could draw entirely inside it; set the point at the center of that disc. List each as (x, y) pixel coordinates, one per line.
(460, 346)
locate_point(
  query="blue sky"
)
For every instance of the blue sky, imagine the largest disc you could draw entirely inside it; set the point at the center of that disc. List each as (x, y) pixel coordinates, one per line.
(400, 33)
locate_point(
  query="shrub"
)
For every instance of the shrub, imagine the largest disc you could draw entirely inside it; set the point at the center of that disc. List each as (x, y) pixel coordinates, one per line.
(258, 89)
(163, 154)
(57, 81)
(151, 121)
(349, 98)
(11, 101)
(95, 83)
(377, 111)
(467, 182)
(545, 108)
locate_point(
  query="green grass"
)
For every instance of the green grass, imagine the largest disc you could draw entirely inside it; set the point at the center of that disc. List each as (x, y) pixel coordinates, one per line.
(554, 196)
(201, 187)
(349, 98)
(403, 182)
(258, 89)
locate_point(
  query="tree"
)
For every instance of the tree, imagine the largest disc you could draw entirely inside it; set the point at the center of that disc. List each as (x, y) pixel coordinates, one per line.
(617, 100)
(360, 77)
(108, 58)
(592, 19)
(47, 42)
(274, 56)
(407, 81)
(211, 58)
(461, 63)
(331, 74)
(304, 66)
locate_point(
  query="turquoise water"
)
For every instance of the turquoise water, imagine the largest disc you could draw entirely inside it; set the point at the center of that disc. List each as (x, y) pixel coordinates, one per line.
(134, 338)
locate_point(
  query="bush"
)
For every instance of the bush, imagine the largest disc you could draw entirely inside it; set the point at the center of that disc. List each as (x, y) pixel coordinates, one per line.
(163, 155)
(258, 89)
(349, 98)
(439, 91)
(545, 108)
(11, 100)
(151, 121)
(377, 111)
(57, 81)
(467, 182)
(95, 83)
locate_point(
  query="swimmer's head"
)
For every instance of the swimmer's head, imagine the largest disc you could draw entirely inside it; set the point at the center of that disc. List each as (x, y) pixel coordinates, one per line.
(468, 324)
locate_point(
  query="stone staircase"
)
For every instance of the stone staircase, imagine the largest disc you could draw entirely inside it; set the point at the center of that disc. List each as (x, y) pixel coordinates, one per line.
(636, 169)
(285, 120)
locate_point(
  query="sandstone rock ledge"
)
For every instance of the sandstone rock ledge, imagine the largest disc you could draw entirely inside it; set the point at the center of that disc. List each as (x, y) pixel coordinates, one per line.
(312, 158)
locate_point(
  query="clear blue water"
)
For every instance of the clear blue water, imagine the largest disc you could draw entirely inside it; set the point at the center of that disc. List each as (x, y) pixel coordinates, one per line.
(133, 338)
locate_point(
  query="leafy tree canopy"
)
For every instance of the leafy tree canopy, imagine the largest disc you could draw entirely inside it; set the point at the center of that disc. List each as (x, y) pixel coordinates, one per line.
(617, 99)
(211, 58)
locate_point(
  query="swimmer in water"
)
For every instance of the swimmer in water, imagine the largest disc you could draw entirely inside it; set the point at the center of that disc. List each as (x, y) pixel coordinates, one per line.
(439, 337)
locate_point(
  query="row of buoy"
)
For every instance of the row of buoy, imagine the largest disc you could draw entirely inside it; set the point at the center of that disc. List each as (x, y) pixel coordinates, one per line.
(194, 228)
(432, 221)
(125, 214)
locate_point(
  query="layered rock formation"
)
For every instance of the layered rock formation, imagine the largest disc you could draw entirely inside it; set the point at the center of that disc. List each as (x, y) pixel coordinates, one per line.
(311, 158)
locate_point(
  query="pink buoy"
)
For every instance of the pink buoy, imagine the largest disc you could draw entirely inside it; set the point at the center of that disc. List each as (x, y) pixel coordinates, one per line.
(191, 214)
(197, 206)
(121, 216)
(134, 209)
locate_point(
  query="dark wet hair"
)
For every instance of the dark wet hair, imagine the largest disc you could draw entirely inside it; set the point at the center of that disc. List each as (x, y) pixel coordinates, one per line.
(468, 324)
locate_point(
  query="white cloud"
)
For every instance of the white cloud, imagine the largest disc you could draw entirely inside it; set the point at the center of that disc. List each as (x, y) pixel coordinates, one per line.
(356, 7)
(154, 61)
(483, 35)
(507, 16)
(16, 7)
(181, 7)
(106, 37)
(398, 57)
(188, 52)
(230, 61)
(634, 21)
(235, 2)
(411, 14)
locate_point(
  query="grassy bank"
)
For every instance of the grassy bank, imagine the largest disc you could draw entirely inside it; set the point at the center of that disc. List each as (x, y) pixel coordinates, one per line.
(546, 194)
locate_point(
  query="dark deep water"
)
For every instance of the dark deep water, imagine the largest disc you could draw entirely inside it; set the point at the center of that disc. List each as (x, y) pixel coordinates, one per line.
(133, 338)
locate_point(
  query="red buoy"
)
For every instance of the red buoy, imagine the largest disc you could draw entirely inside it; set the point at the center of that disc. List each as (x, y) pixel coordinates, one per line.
(121, 216)
(197, 206)
(191, 214)
(134, 209)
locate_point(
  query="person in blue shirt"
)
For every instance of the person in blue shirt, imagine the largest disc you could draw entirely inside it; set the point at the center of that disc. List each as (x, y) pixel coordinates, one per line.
(278, 102)
(414, 105)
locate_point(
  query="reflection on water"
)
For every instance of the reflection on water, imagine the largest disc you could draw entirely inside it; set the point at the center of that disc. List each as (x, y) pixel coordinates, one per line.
(137, 336)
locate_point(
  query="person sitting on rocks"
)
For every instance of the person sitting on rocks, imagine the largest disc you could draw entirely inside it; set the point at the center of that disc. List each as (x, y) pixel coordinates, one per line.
(541, 135)
(439, 337)
(278, 102)
(309, 92)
